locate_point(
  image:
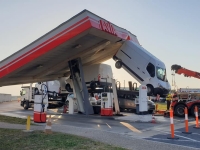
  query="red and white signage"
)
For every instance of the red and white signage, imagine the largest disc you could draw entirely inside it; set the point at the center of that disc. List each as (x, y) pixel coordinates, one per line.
(107, 27)
(144, 87)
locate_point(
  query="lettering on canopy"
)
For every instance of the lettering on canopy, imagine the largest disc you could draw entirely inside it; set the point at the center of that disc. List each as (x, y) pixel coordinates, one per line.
(107, 27)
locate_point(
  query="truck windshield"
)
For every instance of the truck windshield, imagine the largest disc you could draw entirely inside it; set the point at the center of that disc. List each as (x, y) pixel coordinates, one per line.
(161, 73)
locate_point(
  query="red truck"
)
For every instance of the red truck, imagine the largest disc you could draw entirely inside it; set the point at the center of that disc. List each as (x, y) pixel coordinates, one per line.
(185, 99)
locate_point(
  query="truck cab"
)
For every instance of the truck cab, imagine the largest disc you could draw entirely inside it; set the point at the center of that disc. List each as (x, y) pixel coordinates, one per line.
(26, 102)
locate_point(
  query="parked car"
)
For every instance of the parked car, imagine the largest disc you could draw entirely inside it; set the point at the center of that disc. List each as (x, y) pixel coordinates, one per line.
(127, 102)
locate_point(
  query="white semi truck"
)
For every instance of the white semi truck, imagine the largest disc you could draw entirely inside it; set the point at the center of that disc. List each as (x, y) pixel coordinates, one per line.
(53, 89)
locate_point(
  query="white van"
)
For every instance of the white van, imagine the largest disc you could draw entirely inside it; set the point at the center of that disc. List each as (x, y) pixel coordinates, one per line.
(144, 67)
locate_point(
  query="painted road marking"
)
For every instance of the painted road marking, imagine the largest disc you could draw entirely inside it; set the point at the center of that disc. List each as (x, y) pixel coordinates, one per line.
(148, 138)
(51, 116)
(192, 132)
(192, 122)
(189, 147)
(108, 125)
(54, 110)
(130, 127)
(179, 136)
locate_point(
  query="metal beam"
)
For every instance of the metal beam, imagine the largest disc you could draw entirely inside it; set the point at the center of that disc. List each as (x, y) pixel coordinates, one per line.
(80, 87)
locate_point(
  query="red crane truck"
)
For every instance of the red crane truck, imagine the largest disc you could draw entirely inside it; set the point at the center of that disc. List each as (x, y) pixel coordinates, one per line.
(185, 99)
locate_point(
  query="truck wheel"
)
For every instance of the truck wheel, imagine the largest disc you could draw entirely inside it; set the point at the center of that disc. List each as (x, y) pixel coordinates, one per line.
(150, 90)
(179, 110)
(118, 64)
(193, 111)
(26, 105)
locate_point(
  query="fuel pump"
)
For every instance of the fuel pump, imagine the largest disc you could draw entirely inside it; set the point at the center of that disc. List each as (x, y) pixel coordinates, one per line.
(106, 104)
(143, 100)
(41, 104)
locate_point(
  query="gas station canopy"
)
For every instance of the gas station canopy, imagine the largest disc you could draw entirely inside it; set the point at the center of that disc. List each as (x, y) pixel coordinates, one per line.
(85, 36)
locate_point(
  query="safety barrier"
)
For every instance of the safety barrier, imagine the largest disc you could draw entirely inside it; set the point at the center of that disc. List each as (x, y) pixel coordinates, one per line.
(172, 125)
(15, 98)
(197, 118)
(5, 98)
(28, 124)
(8, 98)
(186, 122)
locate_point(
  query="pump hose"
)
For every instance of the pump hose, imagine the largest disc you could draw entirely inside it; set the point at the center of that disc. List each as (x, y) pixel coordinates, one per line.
(44, 94)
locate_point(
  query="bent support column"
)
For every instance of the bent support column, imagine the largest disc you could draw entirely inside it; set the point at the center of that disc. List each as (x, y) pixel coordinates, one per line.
(116, 102)
(80, 88)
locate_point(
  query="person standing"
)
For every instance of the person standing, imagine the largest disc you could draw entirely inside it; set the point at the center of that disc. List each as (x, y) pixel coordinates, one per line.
(169, 99)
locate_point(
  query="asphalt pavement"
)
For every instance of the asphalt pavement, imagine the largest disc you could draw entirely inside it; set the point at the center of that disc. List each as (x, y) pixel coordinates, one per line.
(128, 134)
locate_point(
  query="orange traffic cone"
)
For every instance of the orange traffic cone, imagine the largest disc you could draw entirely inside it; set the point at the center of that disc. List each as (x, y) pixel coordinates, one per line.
(153, 119)
(65, 108)
(48, 125)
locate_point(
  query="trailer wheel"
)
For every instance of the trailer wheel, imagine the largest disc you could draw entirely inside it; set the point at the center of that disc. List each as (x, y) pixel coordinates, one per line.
(26, 105)
(193, 111)
(118, 64)
(179, 110)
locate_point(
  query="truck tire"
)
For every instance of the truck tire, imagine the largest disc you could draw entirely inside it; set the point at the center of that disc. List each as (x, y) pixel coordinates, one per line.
(118, 64)
(179, 110)
(26, 105)
(193, 111)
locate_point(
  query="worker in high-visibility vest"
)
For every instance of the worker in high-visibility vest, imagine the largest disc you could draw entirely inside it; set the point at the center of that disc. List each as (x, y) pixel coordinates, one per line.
(169, 99)
(175, 96)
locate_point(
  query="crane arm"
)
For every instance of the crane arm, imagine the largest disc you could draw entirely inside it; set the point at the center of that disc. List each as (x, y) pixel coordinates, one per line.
(186, 72)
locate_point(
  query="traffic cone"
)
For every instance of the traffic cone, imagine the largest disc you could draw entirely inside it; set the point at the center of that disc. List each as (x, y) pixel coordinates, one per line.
(48, 125)
(153, 119)
(64, 108)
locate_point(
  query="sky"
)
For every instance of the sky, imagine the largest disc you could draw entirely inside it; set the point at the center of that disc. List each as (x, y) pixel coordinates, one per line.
(169, 29)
